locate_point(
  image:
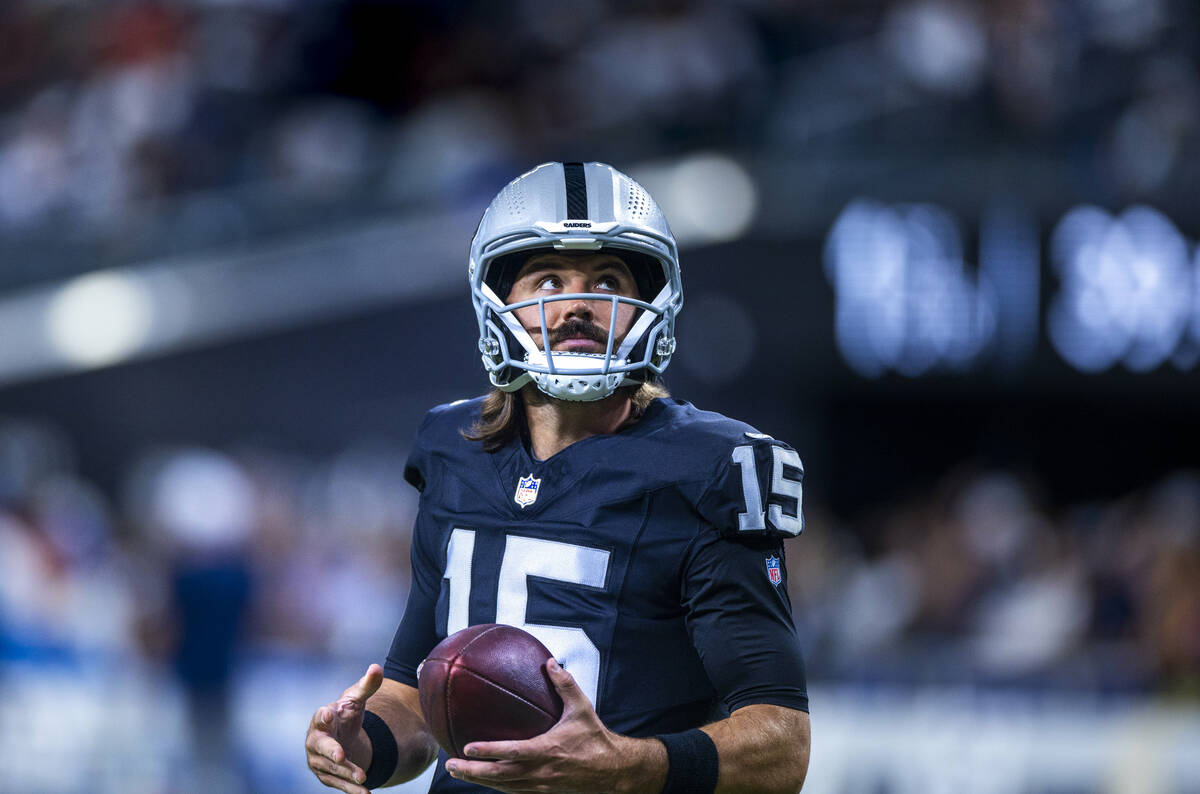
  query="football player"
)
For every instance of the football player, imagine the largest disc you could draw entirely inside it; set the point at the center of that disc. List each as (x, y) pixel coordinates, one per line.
(639, 538)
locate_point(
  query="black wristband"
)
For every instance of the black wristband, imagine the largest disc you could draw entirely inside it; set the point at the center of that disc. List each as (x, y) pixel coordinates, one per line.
(384, 753)
(692, 763)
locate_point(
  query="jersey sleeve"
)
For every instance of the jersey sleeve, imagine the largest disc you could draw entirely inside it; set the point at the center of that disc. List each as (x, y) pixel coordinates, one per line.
(417, 633)
(758, 490)
(417, 468)
(740, 620)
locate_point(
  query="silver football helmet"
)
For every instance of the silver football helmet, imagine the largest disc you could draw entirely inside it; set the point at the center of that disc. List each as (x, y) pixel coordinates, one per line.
(575, 207)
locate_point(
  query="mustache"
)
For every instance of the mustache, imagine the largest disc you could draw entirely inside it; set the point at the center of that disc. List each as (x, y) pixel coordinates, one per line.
(578, 327)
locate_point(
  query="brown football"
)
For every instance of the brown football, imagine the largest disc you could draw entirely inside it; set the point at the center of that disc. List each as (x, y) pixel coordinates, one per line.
(487, 683)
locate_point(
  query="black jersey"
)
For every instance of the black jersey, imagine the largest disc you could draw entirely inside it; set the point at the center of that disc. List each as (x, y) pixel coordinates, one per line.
(650, 562)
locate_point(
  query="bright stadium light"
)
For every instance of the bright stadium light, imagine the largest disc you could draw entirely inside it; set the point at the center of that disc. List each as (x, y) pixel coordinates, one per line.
(1126, 288)
(905, 299)
(99, 318)
(708, 197)
(714, 198)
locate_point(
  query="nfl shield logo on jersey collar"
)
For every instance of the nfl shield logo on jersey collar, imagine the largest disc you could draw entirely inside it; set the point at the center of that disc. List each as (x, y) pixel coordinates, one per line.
(774, 573)
(527, 490)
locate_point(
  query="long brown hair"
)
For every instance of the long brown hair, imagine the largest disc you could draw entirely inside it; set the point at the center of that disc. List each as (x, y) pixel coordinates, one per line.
(502, 415)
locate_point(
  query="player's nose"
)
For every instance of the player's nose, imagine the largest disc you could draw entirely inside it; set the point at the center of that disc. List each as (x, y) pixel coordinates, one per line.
(578, 308)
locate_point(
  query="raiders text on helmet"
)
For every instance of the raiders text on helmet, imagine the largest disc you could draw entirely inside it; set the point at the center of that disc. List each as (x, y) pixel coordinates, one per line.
(575, 207)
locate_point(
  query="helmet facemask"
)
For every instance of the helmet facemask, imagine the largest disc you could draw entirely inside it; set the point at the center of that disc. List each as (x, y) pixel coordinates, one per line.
(618, 217)
(513, 357)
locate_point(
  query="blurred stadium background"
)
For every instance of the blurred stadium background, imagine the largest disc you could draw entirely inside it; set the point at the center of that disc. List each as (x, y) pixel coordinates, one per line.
(946, 248)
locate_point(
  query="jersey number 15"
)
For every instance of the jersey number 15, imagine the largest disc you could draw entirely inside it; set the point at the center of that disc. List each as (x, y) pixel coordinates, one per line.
(782, 485)
(525, 557)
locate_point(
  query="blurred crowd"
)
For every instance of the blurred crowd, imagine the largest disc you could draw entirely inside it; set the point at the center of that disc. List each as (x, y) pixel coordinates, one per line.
(206, 567)
(204, 554)
(981, 581)
(150, 126)
(210, 557)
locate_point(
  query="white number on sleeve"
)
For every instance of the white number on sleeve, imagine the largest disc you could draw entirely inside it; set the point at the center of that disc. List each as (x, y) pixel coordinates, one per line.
(754, 519)
(785, 486)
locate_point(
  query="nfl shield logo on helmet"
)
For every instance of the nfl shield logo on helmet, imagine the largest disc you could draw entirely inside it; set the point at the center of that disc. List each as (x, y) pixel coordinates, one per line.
(527, 490)
(774, 573)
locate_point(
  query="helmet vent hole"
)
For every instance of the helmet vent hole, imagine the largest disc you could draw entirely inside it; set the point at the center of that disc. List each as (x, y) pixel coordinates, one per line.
(637, 203)
(515, 198)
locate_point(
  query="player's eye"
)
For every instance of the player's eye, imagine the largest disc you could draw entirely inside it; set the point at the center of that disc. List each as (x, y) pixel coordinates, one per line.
(550, 282)
(608, 284)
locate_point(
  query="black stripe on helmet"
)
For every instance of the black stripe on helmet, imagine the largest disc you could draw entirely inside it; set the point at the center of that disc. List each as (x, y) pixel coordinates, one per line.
(577, 206)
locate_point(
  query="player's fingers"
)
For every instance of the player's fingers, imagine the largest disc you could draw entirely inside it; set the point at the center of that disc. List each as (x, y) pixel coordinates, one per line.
(327, 746)
(322, 719)
(499, 751)
(341, 785)
(564, 684)
(347, 771)
(366, 686)
(493, 773)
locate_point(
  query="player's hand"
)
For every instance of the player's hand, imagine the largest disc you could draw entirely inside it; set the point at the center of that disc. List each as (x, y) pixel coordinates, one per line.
(578, 754)
(336, 729)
